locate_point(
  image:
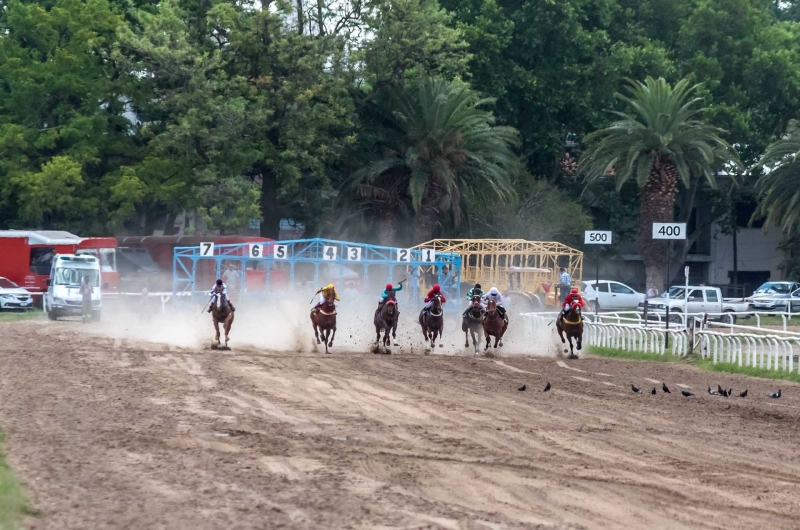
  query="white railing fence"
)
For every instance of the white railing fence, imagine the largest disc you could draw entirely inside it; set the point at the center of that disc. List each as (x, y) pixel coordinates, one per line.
(753, 346)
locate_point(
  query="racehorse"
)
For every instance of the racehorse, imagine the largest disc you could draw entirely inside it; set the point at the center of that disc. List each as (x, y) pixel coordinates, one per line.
(386, 319)
(572, 325)
(324, 323)
(221, 312)
(432, 322)
(494, 325)
(471, 323)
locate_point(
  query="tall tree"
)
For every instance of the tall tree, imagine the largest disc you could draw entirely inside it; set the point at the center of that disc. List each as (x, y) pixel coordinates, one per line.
(659, 139)
(779, 187)
(445, 148)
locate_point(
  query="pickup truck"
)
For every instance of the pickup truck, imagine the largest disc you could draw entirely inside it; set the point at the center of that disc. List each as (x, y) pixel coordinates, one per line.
(701, 299)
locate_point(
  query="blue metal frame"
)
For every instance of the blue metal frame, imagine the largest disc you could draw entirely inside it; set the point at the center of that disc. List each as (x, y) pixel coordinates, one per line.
(185, 259)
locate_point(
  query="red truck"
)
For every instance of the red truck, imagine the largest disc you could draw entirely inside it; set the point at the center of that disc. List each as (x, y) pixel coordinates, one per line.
(26, 255)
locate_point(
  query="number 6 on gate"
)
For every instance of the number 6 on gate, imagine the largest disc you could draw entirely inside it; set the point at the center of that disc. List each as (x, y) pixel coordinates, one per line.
(256, 250)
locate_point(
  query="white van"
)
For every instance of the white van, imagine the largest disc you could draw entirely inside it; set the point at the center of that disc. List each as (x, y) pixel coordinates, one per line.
(66, 275)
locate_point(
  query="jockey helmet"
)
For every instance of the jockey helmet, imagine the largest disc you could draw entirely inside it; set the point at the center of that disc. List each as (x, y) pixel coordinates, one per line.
(219, 282)
(388, 286)
(477, 286)
(436, 288)
(329, 286)
(493, 290)
(574, 291)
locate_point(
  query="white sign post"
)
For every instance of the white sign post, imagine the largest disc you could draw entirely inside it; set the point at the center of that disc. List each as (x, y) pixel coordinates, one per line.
(669, 231)
(207, 249)
(597, 237)
(329, 253)
(404, 254)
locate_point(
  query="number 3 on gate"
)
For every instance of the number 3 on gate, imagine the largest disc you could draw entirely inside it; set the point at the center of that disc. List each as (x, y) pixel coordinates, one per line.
(353, 253)
(329, 253)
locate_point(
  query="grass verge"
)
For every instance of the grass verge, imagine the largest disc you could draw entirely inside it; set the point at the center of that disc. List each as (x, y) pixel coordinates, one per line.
(772, 321)
(636, 355)
(704, 364)
(12, 499)
(733, 368)
(28, 315)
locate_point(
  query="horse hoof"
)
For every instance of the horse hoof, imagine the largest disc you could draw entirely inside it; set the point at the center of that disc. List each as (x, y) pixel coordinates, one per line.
(214, 345)
(501, 344)
(318, 341)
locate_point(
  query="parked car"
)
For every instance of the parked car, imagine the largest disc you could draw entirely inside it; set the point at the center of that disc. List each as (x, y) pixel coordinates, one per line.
(13, 297)
(701, 299)
(764, 298)
(610, 295)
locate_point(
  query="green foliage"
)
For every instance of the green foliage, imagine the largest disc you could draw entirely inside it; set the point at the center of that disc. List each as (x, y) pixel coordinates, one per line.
(442, 149)
(660, 121)
(779, 187)
(13, 504)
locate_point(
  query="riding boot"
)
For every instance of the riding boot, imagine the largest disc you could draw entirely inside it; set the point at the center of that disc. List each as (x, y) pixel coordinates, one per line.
(233, 309)
(210, 307)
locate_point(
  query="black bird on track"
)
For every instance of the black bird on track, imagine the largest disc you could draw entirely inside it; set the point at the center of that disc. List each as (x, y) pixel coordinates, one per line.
(730, 391)
(775, 395)
(633, 387)
(687, 394)
(546, 388)
(665, 389)
(523, 388)
(743, 394)
(720, 391)
(724, 393)
(712, 392)
(653, 391)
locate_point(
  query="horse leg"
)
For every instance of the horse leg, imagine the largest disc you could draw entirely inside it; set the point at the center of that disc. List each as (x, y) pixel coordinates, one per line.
(216, 328)
(316, 329)
(227, 326)
(332, 337)
(561, 334)
(394, 333)
(325, 334)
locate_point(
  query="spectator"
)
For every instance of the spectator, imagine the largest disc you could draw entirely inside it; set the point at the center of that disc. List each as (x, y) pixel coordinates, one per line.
(652, 292)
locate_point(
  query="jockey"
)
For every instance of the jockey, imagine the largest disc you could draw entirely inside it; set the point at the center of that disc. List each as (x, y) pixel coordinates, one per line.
(472, 292)
(328, 292)
(219, 287)
(572, 298)
(431, 294)
(497, 298)
(389, 288)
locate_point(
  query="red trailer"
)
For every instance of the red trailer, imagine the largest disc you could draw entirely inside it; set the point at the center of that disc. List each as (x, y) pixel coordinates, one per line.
(26, 255)
(161, 250)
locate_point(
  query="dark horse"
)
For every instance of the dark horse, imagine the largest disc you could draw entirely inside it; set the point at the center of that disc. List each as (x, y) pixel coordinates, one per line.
(471, 323)
(572, 325)
(324, 322)
(494, 325)
(432, 323)
(386, 320)
(221, 312)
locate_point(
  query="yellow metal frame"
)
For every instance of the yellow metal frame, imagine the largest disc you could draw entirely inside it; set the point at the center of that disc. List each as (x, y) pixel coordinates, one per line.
(512, 264)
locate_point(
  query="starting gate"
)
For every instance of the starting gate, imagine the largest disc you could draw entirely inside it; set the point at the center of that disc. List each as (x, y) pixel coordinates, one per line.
(279, 265)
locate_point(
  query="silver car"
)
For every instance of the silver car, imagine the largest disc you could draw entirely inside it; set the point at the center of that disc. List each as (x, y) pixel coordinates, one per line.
(13, 297)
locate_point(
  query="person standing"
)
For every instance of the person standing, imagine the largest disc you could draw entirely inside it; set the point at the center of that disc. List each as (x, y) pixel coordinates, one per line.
(652, 292)
(86, 291)
(564, 283)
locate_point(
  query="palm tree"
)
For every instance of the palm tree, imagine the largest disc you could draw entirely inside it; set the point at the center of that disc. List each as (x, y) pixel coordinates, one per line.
(779, 187)
(658, 139)
(439, 147)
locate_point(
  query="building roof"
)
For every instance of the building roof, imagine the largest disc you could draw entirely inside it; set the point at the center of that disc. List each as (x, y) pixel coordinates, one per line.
(43, 237)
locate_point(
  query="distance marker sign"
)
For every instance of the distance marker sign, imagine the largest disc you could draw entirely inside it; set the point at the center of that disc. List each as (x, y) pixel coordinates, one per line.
(597, 237)
(669, 230)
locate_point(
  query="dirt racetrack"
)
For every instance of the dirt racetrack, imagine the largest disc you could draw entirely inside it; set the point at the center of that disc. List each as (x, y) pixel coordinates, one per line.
(115, 433)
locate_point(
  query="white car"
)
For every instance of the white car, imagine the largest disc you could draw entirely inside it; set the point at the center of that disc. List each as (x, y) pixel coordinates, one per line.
(610, 295)
(13, 297)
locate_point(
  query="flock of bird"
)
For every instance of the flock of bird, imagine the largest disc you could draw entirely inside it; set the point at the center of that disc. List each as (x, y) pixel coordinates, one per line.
(664, 388)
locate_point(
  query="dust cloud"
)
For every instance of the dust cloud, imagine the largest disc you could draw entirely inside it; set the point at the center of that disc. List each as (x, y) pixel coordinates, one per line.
(280, 322)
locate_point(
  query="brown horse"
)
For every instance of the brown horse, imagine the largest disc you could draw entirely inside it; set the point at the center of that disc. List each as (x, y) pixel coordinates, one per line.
(324, 322)
(494, 325)
(386, 320)
(432, 323)
(471, 323)
(572, 325)
(221, 312)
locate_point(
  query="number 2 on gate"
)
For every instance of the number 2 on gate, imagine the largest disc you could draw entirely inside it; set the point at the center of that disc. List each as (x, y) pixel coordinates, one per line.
(404, 254)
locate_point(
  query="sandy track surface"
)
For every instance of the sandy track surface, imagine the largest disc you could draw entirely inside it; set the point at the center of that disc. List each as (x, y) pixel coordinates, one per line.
(116, 433)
